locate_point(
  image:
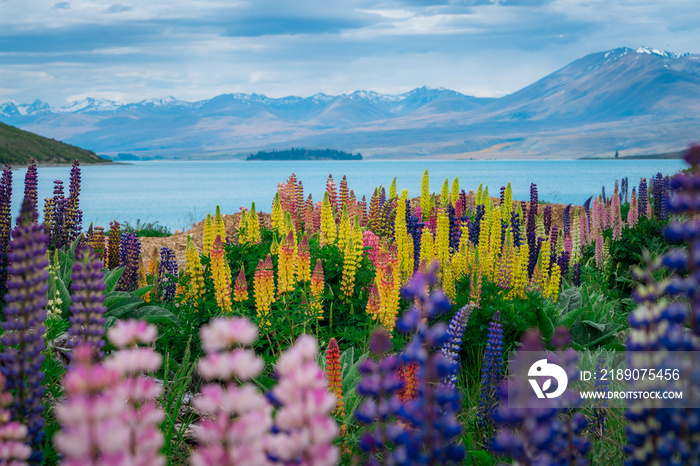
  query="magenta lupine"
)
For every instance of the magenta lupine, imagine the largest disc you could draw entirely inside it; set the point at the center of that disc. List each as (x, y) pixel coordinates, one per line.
(25, 313)
(304, 421)
(13, 449)
(239, 418)
(5, 226)
(92, 432)
(87, 308)
(140, 415)
(369, 239)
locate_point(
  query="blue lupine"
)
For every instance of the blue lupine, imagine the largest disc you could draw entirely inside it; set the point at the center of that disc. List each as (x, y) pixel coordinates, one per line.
(491, 372)
(643, 198)
(567, 220)
(547, 219)
(587, 206)
(24, 328)
(515, 227)
(576, 274)
(5, 226)
(30, 185)
(475, 226)
(452, 347)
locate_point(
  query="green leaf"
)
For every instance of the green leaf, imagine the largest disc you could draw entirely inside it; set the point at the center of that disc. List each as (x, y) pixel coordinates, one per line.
(124, 307)
(115, 297)
(569, 319)
(481, 456)
(596, 325)
(545, 323)
(152, 314)
(74, 246)
(569, 300)
(143, 290)
(110, 321)
(64, 294)
(615, 346)
(112, 277)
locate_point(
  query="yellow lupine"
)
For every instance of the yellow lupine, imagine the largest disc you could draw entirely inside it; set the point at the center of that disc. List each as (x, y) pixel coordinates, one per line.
(243, 227)
(345, 230)
(427, 248)
(459, 264)
(303, 265)
(253, 226)
(520, 275)
(277, 217)
(475, 287)
(219, 227)
(442, 237)
(357, 239)
(264, 289)
(505, 267)
(317, 285)
(425, 199)
(448, 282)
(401, 240)
(142, 279)
(494, 243)
(286, 273)
(555, 282)
(347, 283)
(445, 193)
(507, 206)
(208, 235)
(455, 191)
(221, 273)
(483, 248)
(478, 198)
(576, 238)
(328, 228)
(392, 189)
(389, 295)
(194, 269)
(545, 257)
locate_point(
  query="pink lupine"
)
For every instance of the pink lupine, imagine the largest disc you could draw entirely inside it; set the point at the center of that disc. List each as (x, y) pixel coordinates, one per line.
(93, 431)
(141, 415)
(239, 417)
(369, 239)
(633, 214)
(304, 421)
(616, 217)
(584, 226)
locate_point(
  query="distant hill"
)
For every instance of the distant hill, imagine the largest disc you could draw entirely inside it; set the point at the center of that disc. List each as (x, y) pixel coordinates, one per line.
(18, 146)
(304, 154)
(633, 101)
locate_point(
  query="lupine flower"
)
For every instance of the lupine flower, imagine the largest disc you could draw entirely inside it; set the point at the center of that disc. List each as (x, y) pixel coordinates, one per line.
(491, 372)
(98, 243)
(554, 282)
(332, 193)
(5, 226)
(451, 348)
(435, 437)
(334, 377)
(218, 224)
(221, 273)
(587, 206)
(30, 185)
(113, 245)
(264, 289)
(208, 235)
(55, 211)
(141, 415)
(91, 436)
(194, 269)
(350, 264)
(475, 226)
(129, 254)
(389, 298)
(616, 218)
(239, 417)
(643, 198)
(378, 388)
(167, 274)
(547, 219)
(305, 426)
(73, 214)
(286, 273)
(240, 287)
(87, 308)
(425, 199)
(24, 328)
(13, 434)
(328, 227)
(408, 373)
(532, 209)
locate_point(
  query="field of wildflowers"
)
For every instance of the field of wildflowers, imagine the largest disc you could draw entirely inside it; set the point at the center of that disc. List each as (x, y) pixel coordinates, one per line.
(351, 331)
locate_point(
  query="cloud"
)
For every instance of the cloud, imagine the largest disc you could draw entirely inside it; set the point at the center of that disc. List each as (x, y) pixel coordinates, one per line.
(61, 6)
(117, 8)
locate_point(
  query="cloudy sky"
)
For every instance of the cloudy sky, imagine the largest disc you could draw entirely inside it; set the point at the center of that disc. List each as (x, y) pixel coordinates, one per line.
(61, 51)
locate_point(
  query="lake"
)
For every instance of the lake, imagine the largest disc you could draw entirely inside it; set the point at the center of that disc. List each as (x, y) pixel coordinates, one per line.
(179, 193)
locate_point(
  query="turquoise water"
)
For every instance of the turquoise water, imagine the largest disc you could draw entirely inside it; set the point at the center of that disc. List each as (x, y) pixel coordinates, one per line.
(179, 193)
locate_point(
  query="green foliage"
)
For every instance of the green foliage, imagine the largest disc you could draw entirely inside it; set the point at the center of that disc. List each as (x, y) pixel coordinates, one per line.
(147, 230)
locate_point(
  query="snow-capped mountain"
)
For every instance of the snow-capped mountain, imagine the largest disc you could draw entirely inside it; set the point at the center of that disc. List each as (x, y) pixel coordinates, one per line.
(634, 100)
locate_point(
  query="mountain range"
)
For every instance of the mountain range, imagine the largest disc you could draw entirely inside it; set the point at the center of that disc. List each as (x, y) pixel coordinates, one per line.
(635, 101)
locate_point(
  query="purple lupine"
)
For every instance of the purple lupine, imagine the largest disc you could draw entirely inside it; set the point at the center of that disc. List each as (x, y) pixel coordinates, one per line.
(658, 194)
(5, 226)
(587, 206)
(57, 234)
(129, 253)
(547, 219)
(435, 436)
(563, 263)
(475, 226)
(451, 348)
(382, 198)
(535, 435)
(167, 274)
(666, 320)
(491, 373)
(553, 238)
(663, 213)
(73, 214)
(605, 199)
(534, 252)
(87, 308)
(30, 185)
(414, 226)
(454, 228)
(643, 198)
(379, 386)
(515, 227)
(25, 314)
(532, 210)
(567, 220)
(504, 231)
(576, 274)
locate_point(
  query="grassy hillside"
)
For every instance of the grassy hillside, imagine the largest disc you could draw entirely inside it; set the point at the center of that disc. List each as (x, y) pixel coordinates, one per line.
(18, 146)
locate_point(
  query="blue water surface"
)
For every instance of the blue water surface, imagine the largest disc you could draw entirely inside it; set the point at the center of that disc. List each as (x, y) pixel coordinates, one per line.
(179, 193)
